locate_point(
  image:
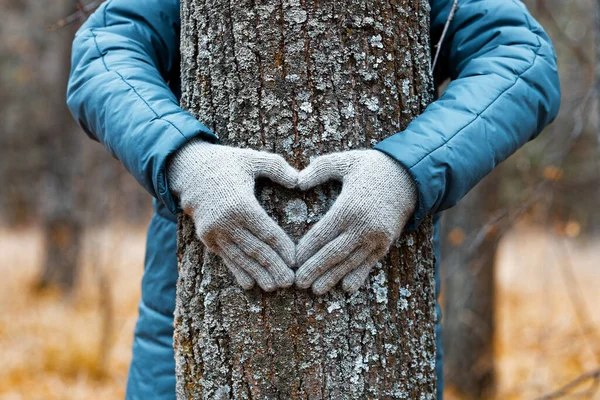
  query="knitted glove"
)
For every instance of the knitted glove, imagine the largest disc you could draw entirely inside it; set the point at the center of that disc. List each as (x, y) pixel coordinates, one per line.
(378, 197)
(216, 187)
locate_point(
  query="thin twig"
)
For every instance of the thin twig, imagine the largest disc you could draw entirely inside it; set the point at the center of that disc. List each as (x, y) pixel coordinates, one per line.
(579, 51)
(438, 46)
(105, 301)
(569, 387)
(83, 12)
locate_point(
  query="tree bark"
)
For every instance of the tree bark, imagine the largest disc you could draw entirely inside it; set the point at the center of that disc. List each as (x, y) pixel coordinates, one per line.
(468, 267)
(303, 78)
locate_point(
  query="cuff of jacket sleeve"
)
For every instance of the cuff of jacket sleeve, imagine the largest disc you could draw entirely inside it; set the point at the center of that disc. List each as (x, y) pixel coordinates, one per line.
(423, 206)
(184, 127)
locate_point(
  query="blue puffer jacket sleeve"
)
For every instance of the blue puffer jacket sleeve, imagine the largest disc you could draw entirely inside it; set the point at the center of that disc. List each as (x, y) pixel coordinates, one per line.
(122, 58)
(504, 91)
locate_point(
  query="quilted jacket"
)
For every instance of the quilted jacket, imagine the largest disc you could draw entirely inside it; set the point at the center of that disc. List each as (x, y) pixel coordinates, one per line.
(124, 88)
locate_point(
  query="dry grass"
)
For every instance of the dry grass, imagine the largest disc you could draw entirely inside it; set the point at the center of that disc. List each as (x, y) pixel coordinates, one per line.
(50, 347)
(548, 323)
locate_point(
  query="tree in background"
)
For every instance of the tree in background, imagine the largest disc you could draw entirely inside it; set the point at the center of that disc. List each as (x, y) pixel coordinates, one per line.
(276, 68)
(41, 145)
(552, 182)
(52, 176)
(61, 200)
(468, 257)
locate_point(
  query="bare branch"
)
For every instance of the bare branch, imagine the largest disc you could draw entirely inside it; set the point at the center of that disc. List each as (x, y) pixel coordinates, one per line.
(84, 10)
(569, 387)
(579, 51)
(438, 46)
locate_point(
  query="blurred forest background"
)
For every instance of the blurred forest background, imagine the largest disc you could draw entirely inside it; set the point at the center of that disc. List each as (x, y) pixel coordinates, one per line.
(520, 254)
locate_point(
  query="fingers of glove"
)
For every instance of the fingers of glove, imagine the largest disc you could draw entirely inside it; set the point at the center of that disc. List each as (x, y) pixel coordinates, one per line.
(274, 167)
(322, 169)
(232, 252)
(258, 250)
(242, 278)
(332, 276)
(267, 230)
(355, 279)
(328, 257)
(324, 231)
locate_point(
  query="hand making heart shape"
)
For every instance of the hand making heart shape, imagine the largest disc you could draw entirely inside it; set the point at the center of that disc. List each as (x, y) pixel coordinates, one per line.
(216, 187)
(378, 197)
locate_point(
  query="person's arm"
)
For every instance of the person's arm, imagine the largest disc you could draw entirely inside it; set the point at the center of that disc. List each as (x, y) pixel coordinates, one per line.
(122, 58)
(504, 91)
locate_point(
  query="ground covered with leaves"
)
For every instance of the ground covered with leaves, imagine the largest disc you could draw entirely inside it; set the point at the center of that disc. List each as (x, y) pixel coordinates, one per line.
(79, 346)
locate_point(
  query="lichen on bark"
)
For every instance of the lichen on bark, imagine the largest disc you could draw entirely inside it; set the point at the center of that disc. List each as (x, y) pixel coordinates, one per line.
(303, 78)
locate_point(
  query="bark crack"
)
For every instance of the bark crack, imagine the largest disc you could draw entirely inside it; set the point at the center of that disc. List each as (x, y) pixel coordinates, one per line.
(208, 78)
(260, 81)
(351, 68)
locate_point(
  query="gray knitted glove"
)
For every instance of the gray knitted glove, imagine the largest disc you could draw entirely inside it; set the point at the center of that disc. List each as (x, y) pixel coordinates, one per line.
(216, 187)
(378, 197)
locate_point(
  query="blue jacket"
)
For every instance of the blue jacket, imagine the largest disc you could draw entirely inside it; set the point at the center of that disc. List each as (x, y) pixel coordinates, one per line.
(124, 88)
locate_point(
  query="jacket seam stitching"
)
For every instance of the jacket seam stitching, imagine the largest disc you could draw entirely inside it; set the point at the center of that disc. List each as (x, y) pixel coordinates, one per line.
(102, 57)
(159, 214)
(104, 13)
(477, 117)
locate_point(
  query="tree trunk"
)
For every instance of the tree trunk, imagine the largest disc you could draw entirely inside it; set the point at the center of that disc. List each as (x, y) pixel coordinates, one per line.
(468, 255)
(597, 69)
(303, 78)
(61, 202)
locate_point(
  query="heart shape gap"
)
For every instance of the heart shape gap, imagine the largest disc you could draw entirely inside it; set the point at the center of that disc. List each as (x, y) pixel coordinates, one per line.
(294, 210)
